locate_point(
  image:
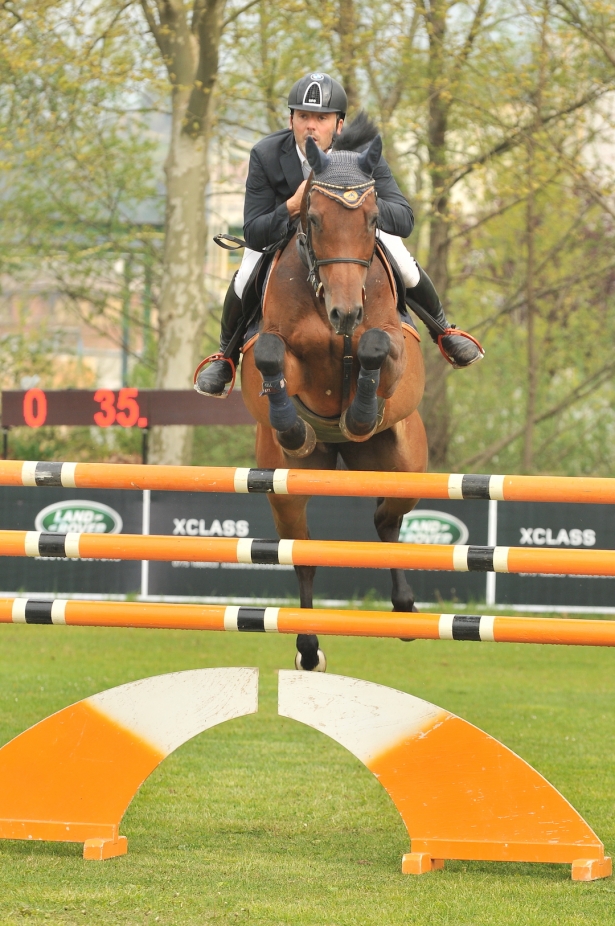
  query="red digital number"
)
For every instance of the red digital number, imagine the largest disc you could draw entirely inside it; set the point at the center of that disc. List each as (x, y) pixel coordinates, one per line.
(106, 416)
(35, 408)
(128, 408)
(127, 414)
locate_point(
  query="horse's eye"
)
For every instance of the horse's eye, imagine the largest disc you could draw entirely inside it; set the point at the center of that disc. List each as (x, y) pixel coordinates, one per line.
(314, 219)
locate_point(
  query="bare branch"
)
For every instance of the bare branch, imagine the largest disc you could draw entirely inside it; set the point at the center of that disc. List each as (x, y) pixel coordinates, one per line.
(237, 13)
(466, 50)
(154, 27)
(6, 6)
(520, 134)
(576, 21)
(104, 35)
(589, 385)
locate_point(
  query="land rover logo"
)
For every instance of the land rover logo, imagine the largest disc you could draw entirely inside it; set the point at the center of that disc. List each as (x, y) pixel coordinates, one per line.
(432, 527)
(79, 517)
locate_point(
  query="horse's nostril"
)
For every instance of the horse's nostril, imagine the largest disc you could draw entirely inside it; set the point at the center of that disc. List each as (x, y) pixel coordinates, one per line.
(334, 318)
(346, 322)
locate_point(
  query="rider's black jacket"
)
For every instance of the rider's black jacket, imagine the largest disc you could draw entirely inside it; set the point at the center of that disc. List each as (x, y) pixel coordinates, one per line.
(275, 174)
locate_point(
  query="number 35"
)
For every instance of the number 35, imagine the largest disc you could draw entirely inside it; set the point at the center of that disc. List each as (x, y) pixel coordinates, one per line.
(126, 413)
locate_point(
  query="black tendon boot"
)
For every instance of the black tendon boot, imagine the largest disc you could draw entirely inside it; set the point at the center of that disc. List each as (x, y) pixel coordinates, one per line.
(213, 378)
(423, 298)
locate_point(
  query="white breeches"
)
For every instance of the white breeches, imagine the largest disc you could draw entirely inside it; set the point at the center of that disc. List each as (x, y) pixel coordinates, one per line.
(405, 261)
(407, 264)
(248, 263)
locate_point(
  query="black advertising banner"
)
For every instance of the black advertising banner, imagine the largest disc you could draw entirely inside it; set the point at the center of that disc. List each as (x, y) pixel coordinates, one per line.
(64, 511)
(221, 515)
(539, 526)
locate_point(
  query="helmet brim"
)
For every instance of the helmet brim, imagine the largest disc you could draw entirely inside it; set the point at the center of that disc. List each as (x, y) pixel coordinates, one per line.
(308, 108)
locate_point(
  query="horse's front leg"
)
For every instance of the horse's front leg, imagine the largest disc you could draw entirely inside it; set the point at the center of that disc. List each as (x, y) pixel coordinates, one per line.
(360, 419)
(296, 437)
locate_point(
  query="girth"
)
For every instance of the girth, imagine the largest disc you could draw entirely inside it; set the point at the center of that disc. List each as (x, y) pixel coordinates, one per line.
(328, 429)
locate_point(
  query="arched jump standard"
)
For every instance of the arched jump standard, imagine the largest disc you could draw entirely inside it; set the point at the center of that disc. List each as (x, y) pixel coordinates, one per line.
(460, 793)
(71, 777)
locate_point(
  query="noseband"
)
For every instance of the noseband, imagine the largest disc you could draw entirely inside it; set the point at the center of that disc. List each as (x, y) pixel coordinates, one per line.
(349, 197)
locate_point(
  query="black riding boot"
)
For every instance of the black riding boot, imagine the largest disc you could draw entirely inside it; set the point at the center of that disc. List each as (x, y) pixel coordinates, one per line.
(213, 378)
(461, 350)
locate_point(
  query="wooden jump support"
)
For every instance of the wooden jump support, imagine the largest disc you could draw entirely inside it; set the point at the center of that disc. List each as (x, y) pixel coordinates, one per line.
(322, 621)
(460, 793)
(308, 482)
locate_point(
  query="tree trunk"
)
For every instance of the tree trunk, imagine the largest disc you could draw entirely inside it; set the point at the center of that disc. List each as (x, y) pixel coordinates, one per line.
(530, 289)
(182, 307)
(532, 371)
(346, 29)
(434, 408)
(268, 67)
(190, 52)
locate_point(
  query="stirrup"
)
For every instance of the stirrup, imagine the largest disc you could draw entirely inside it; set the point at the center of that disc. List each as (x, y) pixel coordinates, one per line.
(228, 388)
(463, 334)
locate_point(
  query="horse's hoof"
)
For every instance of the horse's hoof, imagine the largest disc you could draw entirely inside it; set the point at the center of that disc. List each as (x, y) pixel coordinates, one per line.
(321, 667)
(357, 438)
(307, 447)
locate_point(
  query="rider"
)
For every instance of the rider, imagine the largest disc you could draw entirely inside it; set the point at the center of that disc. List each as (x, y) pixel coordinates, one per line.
(276, 181)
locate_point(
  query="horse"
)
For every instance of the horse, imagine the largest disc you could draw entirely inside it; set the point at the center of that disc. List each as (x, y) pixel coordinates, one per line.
(333, 373)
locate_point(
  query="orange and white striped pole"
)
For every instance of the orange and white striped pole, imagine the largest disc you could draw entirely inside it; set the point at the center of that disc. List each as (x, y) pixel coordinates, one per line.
(325, 621)
(354, 554)
(308, 482)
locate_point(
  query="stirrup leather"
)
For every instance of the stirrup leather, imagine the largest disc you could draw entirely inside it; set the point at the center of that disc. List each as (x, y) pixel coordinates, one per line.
(228, 387)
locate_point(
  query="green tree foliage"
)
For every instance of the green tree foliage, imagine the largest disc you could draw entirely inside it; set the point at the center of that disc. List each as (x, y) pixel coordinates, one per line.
(77, 170)
(497, 119)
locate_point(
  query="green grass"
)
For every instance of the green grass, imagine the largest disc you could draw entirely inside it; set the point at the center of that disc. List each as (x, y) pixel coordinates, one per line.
(263, 820)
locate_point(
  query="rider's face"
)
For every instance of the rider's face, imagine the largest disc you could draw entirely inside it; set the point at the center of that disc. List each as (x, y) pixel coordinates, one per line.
(321, 127)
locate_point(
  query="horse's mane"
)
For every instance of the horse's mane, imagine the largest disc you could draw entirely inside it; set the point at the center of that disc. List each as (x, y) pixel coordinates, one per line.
(358, 134)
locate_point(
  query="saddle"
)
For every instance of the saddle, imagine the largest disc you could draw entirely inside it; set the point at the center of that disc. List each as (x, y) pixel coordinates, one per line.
(398, 285)
(252, 298)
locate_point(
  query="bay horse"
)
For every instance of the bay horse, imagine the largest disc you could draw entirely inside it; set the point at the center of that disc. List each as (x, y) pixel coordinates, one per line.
(333, 371)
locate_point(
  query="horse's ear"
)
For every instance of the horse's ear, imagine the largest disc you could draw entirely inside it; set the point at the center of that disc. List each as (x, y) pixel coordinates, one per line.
(317, 159)
(368, 160)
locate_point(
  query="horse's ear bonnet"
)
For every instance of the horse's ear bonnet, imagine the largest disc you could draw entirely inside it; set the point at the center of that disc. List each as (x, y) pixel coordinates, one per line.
(317, 159)
(369, 158)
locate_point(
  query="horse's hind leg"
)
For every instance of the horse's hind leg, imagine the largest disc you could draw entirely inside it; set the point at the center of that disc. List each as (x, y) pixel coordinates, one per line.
(401, 448)
(290, 517)
(388, 518)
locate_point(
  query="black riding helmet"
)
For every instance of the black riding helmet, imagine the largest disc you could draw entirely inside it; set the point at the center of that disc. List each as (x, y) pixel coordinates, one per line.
(318, 92)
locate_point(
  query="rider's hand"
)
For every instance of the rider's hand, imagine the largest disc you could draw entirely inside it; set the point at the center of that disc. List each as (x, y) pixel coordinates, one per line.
(294, 203)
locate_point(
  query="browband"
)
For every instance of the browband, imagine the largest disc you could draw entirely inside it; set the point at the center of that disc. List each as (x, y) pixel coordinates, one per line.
(349, 197)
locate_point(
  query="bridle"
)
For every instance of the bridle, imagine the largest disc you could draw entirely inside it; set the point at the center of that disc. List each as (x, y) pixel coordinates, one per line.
(351, 198)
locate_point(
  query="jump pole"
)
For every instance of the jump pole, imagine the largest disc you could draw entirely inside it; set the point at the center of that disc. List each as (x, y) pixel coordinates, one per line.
(354, 554)
(327, 622)
(577, 489)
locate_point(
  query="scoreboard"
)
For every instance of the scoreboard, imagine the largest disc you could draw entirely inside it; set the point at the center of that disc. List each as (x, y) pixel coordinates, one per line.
(126, 408)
